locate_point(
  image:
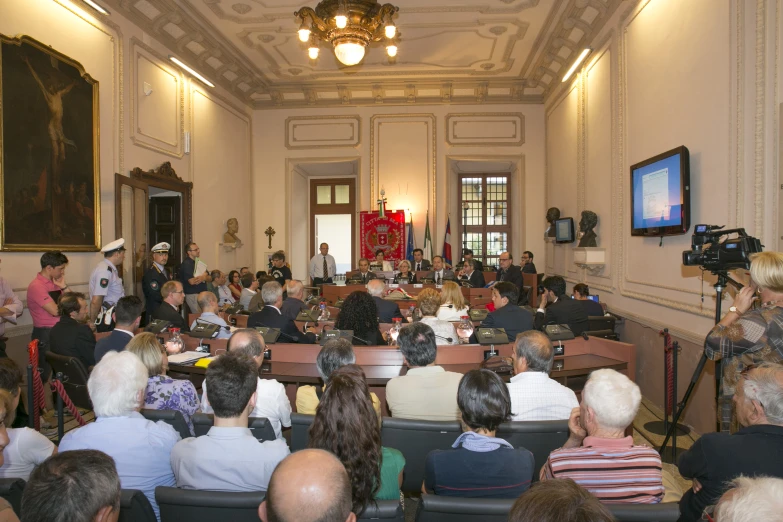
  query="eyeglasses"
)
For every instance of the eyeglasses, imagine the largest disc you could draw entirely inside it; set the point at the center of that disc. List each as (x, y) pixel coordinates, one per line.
(708, 514)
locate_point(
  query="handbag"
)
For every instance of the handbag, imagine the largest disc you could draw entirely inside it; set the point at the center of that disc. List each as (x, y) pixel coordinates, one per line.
(498, 364)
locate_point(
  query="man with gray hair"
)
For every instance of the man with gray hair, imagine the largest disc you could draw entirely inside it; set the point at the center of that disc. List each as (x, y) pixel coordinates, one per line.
(387, 310)
(598, 455)
(749, 499)
(77, 486)
(271, 399)
(293, 303)
(756, 449)
(271, 316)
(335, 354)
(534, 396)
(209, 307)
(140, 448)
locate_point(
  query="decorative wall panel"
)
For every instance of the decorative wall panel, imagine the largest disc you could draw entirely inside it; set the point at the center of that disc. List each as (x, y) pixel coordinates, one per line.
(485, 129)
(318, 132)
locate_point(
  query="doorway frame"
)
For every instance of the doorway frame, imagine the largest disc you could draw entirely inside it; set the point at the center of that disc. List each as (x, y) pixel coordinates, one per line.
(314, 181)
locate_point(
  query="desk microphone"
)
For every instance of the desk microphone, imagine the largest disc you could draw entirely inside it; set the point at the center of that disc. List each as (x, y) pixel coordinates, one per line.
(200, 320)
(584, 336)
(294, 338)
(448, 339)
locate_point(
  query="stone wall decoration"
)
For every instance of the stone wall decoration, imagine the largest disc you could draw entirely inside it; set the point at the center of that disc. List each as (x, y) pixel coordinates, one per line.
(230, 239)
(586, 228)
(552, 215)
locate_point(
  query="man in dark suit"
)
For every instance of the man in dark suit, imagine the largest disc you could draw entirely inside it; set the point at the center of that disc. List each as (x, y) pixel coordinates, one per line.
(557, 308)
(71, 336)
(271, 317)
(507, 314)
(127, 316)
(467, 255)
(293, 304)
(508, 271)
(528, 267)
(470, 274)
(155, 277)
(363, 276)
(173, 297)
(419, 263)
(387, 310)
(439, 272)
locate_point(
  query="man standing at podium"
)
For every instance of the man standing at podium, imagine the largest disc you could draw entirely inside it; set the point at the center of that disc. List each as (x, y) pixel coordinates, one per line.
(322, 266)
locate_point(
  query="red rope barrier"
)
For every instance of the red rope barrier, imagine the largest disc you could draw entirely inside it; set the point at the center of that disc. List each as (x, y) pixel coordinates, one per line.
(58, 387)
(39, 403)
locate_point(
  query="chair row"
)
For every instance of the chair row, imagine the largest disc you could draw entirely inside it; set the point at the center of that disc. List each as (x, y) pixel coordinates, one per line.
(259, 426)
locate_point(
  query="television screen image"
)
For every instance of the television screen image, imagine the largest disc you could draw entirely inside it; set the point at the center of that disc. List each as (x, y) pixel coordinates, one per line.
(564, 230)
(660, 194)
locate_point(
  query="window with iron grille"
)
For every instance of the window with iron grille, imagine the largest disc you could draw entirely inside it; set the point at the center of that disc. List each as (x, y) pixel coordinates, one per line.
(484, 219)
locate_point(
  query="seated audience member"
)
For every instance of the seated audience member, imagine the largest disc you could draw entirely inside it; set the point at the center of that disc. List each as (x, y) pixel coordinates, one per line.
(257, 302)
(141, 449)
(534, 396)
(280, 272)
(598, 455)
(507, 315)
(212, 286)
(559, 501)
(452, 303)
(360, 314)
(249, 291)
(308, 486)
(77, 486)
(127, 316)
(293, 303)
(508, 271)
(25, 448)
(6, 511)
(479, 465)
(379, 263)
(271, 317)
(363, 276)
(271, 399)
(11, 381)
(209, 307)
(471, 275)
(467, 255)
(223, 293)
(426, 391)
(244, 270)
(375, 471)
(163, 392)
(756, 449)
(528, 267)
(173, 297)
(228, 457)
(556, 308)
(387, 310)
(335, 354)
(405, 276)
(581, 294)
(429, 306)
(235, 285)
(749, 500)
(439, 272)
(71, 336)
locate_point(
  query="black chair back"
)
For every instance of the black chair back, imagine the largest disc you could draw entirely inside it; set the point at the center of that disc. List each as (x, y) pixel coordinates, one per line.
(385, 510)
(259, 426)
(173, 418)
(538, 437)
(135, 507)
(11, 489)
(74, 378)
(415, 439)
(434, 508)
(669, 512)
(193, 505)
(603, 334)
(300, 430)
(601, 322)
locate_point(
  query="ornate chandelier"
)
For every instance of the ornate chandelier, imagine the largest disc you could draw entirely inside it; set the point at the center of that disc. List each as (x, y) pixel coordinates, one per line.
(350, 26)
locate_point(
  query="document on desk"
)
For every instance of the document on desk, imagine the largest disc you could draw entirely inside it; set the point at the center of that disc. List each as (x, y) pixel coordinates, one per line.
(186, 357)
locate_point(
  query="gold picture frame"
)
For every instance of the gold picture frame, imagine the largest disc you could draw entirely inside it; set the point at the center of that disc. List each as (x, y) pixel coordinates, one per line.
(50, 191)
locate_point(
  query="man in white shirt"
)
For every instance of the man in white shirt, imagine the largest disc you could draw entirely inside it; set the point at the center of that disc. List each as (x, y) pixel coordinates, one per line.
(534, 395)
(249, 289)
(228, 457)
(209, 306)
(271, 399)
(223, 292)
(322, 266)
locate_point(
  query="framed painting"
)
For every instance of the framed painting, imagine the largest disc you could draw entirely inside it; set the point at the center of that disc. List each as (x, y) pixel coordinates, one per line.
(49, 150)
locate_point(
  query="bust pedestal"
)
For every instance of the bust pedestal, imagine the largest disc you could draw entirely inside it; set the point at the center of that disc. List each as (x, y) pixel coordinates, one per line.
(589, 257)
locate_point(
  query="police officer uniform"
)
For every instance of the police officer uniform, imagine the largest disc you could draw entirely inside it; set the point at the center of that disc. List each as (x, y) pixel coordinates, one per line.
(106, 281)
(154, 279)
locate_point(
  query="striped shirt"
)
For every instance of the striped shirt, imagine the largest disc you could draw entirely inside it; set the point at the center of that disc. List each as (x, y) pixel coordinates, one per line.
(614, 470)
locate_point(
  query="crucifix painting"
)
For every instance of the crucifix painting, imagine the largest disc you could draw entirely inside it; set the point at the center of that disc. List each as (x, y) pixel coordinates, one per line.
(50, 170)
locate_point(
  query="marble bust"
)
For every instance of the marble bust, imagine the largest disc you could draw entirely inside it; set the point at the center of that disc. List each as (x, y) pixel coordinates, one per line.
(230, 237)
(586, 226)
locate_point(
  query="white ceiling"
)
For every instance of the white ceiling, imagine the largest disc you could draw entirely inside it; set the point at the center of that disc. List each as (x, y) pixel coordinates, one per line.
(450, 51)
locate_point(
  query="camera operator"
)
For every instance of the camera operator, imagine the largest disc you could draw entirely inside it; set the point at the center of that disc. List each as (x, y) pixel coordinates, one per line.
(748, 336)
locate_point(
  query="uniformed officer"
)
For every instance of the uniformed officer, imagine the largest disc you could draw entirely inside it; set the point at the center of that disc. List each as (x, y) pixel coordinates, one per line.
(155, 277)
(106, 286)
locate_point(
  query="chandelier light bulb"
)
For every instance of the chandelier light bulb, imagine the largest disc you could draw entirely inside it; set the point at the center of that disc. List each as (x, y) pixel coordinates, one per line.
(304, 34)
(391, 30)
(391, 50)
(341, 21)
(313, 53)
(349, 53)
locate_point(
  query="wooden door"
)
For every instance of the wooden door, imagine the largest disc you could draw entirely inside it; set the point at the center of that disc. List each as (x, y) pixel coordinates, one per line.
(130, 223)
(165, 225)
(333, 197)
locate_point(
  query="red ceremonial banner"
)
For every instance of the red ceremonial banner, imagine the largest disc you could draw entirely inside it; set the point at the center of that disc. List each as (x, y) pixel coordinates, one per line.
(382, 233)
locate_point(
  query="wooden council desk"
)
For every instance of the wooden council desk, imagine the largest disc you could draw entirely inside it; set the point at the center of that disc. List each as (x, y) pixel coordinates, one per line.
(476, 297)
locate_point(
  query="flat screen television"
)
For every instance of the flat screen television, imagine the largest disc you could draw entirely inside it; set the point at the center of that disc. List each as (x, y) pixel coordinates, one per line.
(564, 230)
(661, 194)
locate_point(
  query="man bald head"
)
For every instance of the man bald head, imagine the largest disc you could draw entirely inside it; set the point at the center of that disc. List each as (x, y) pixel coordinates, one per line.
(308, 486)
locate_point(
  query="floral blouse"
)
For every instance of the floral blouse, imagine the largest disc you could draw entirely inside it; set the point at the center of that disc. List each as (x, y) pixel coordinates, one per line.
(165, 393)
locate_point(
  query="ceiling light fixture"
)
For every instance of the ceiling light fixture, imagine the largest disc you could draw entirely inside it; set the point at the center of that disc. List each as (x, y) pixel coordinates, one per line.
(191, 71)
(349, 26)
(96, 7)
(578, 61)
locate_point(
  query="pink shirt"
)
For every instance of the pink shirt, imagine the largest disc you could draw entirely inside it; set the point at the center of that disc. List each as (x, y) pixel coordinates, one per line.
(37, 296)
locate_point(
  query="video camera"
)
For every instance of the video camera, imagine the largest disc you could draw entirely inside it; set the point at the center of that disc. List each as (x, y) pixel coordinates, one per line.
(720, 255)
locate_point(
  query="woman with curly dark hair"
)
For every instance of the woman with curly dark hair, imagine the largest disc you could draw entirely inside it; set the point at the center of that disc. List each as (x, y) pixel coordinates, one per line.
(360, 314)
(345, 424)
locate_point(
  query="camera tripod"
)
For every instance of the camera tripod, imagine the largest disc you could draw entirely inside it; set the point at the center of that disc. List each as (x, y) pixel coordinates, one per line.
(720, 287)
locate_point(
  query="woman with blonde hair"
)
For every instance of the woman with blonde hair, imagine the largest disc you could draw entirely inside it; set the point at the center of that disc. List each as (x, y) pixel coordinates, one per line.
(163, 392)
(429, 304)
(452, 303)
(405, 273)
